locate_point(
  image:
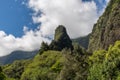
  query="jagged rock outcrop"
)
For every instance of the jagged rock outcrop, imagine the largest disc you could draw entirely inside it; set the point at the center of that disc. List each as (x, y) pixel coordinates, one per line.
(61, 39)
(107, 30)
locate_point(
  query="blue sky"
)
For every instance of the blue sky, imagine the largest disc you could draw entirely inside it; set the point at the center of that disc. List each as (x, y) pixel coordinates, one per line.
(99, 3)
(14, 15)
(78, 16)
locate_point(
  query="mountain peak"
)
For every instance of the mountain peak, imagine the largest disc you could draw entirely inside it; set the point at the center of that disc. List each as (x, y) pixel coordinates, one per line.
(61, 39)
(60, 32)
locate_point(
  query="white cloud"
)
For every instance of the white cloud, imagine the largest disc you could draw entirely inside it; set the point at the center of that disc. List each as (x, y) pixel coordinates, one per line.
(77, 16)
(29, 42)
(107, 1)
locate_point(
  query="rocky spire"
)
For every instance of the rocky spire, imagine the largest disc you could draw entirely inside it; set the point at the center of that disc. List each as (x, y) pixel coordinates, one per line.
(61, 39)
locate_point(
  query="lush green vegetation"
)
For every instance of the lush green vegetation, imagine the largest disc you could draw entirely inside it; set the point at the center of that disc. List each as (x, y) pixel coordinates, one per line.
(67, 65)
(44, 47)
(51, 65)
(62, 60)
(16, 69)
(2, 76)
(105, 65)
(107, 29)
(44, 67)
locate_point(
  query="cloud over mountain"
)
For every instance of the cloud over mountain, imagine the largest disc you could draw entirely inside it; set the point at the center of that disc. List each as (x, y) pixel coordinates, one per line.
(77, 16)
(29, 42)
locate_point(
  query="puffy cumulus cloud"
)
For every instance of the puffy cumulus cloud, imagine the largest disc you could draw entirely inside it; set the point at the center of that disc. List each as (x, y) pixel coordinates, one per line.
(77, 16)
(29, 42)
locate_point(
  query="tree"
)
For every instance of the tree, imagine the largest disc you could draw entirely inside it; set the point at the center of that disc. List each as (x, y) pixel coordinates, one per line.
(2, 76)
(44, 47)
(105, 65)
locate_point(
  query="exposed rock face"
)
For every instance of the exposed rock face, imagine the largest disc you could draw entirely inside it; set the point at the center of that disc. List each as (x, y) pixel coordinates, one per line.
(61, 39)
(107, 29)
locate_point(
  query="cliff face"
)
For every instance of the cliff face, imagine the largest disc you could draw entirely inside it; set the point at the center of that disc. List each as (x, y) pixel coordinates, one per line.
(61, 39)
(107, 30)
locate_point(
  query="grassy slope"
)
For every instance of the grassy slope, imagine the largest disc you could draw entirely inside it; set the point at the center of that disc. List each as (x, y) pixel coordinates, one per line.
(45, 66)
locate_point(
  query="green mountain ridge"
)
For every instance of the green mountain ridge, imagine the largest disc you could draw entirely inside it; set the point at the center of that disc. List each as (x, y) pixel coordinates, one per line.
(71, 61)
(17, 55)
(107, 29)
(50, 64)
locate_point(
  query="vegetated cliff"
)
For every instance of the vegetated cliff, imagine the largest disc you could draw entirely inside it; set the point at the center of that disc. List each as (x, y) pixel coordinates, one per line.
(107, 30)
(61, 39)
(52, 64)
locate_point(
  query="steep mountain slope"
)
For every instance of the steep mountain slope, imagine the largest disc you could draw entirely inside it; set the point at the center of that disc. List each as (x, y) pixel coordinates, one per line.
(61, 39)
(17, 55)
(83, 41)
(46, 66)
(105, 64)
(107, 30)
(59, 63)
(52, 64)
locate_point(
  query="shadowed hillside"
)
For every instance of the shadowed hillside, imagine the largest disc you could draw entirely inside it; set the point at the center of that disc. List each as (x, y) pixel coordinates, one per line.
(107, 29)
